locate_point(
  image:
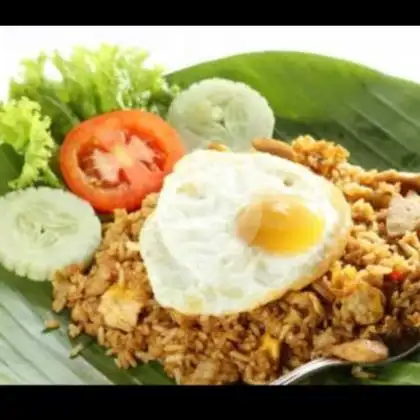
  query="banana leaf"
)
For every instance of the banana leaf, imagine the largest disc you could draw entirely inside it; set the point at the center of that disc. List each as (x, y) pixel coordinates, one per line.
(375, 116)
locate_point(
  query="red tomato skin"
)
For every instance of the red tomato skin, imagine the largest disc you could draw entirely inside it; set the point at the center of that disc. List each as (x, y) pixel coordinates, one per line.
(142, 123)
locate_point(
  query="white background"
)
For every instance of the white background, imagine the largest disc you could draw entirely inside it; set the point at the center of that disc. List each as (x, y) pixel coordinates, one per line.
(392, 49)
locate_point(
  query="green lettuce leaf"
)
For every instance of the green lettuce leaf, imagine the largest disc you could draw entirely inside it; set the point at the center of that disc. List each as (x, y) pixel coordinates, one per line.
(92, 82)
(24, 129)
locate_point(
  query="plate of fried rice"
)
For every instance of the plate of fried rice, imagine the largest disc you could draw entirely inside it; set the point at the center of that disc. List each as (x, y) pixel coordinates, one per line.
(223, 224)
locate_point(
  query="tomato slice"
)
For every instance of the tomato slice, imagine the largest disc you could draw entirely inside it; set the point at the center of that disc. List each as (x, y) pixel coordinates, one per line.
(116, 159)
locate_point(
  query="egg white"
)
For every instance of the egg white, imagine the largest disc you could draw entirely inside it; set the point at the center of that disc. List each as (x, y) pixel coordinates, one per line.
(195, 260)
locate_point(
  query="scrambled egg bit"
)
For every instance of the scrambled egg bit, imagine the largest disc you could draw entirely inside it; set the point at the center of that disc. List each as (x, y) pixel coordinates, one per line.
(360, 300)
(271, 345)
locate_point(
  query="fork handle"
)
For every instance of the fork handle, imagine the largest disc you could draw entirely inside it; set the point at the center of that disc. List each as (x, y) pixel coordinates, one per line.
(306, 370)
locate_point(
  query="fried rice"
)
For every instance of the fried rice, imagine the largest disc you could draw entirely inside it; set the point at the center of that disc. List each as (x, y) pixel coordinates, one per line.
(371, 292)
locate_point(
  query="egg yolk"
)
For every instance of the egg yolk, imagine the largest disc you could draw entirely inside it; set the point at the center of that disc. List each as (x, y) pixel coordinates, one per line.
(279, 225)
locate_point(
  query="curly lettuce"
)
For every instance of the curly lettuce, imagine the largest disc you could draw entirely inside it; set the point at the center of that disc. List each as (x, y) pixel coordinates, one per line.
(92, 82)
(28, 133)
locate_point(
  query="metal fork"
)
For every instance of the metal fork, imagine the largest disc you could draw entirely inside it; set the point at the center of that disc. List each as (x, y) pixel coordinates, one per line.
(399, 348)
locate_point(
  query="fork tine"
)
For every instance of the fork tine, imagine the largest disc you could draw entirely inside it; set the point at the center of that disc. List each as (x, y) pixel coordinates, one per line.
(402, 346)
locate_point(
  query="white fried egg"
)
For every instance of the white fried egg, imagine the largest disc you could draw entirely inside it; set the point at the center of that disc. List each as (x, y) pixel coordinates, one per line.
(234, 231)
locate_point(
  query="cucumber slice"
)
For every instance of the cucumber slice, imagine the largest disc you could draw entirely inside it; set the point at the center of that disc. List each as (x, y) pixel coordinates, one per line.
(221, 110)
(45, 229)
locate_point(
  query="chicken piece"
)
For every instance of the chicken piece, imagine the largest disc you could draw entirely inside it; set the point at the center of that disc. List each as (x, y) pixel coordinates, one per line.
(403, 214)
(204, 374)
(366, 305)
(99, 280)
(360, 351)
(410, 180)
(274, 147)
(120, 308)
